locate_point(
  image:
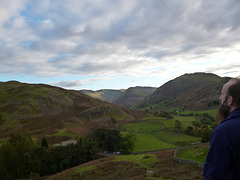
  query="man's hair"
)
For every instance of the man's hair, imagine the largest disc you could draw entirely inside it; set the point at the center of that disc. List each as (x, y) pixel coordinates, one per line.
(234, 91)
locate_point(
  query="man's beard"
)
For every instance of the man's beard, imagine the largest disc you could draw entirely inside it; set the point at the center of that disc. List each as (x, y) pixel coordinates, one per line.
(223, 111)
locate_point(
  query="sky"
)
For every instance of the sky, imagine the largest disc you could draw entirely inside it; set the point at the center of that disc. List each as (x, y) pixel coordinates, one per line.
(117, 44)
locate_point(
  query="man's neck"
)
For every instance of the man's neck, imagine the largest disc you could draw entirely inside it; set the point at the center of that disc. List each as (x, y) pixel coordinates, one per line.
(234, 109)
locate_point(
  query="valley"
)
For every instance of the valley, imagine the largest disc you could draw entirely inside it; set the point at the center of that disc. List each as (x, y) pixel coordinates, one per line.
(147, 125)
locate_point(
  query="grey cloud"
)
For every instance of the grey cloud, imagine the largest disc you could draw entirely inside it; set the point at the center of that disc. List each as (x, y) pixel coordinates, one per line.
(91, 32)
(225, 70)
(76, 83)
(68, 84)
(106, 68)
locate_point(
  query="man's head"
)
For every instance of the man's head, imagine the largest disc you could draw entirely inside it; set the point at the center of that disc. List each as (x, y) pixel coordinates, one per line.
(230, 98)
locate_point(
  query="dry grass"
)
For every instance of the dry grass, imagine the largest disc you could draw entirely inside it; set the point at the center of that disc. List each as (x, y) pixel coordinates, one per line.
(169, 169)
(106, 169)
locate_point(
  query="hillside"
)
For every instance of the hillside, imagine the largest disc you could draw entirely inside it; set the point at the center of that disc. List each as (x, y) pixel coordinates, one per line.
(198, 91)
(39, 109)
(109, 95)
(133, 96)
(158, 165)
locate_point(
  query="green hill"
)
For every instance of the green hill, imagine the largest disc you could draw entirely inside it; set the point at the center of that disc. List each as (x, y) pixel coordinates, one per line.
(198, 91)
(133, 96)
(39, 109)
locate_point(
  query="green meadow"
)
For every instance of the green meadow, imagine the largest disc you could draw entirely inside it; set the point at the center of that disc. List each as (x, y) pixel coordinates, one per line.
(143, 127)
(156, 133)
(211, 112)
(168, 123)
(186, 120)
(195, 153)
(148, 142)
(177, 138)
(64, 132)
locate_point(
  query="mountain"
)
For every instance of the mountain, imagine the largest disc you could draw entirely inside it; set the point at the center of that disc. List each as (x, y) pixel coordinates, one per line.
(133, 96)
(40, 109)
(126, 98)
(198, 91)
(109, 95)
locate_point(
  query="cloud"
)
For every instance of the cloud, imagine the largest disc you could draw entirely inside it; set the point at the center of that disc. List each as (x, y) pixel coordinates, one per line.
(75, 84)
(68, 84)
(117, 38)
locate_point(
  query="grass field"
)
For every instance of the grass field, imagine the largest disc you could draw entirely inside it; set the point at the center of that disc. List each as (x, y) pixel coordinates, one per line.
(147, 127)
(64, 132)
(197, 153)
(177, 137)
(143, 127)
(185, 119)
(211, 112)
(148, 142)
(168, 123)
(153, 118)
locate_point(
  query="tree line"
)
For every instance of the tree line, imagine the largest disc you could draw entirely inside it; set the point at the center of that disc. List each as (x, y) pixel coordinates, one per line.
(21, 157)
(202, 127)
(111, 140)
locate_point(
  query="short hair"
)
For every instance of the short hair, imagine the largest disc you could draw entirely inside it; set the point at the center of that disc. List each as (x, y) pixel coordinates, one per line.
(234, 91)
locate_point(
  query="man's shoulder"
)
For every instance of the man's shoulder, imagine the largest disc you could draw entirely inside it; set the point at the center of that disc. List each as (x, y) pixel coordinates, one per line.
(234, 115)
(232, 119)
(230, 125)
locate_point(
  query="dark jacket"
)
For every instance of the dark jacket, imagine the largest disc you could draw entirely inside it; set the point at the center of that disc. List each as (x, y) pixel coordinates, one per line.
(223, 159)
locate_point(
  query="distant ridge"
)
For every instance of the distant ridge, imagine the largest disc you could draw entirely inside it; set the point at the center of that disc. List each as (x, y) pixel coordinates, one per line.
(197, 91)
(109, 95)
(123, 97)
(134, 95)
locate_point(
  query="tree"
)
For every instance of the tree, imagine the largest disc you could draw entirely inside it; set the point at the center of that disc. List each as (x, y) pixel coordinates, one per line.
(206, 134)
(205, 118)
(190, 130)
(178, 126)
(197, 124)
(112, 140)
(16, 160)
(113, 121)
(44, 143)
(99, 135)
(108, 139)
(128, 142)
(90, 149)
(164, 114)
(40, 160)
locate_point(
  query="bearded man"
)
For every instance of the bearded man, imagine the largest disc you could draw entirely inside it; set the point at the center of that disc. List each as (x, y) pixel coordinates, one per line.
(223, 159)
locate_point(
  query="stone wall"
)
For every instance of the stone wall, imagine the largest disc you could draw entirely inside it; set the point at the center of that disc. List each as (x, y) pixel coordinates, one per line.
(186, 161)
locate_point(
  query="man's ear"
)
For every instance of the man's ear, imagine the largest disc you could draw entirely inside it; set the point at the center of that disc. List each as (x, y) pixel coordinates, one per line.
(230, 100)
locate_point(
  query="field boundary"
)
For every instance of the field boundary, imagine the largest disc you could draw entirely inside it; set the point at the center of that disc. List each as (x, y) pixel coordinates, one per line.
(186, 161)
(157, 150)
(163, 139)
